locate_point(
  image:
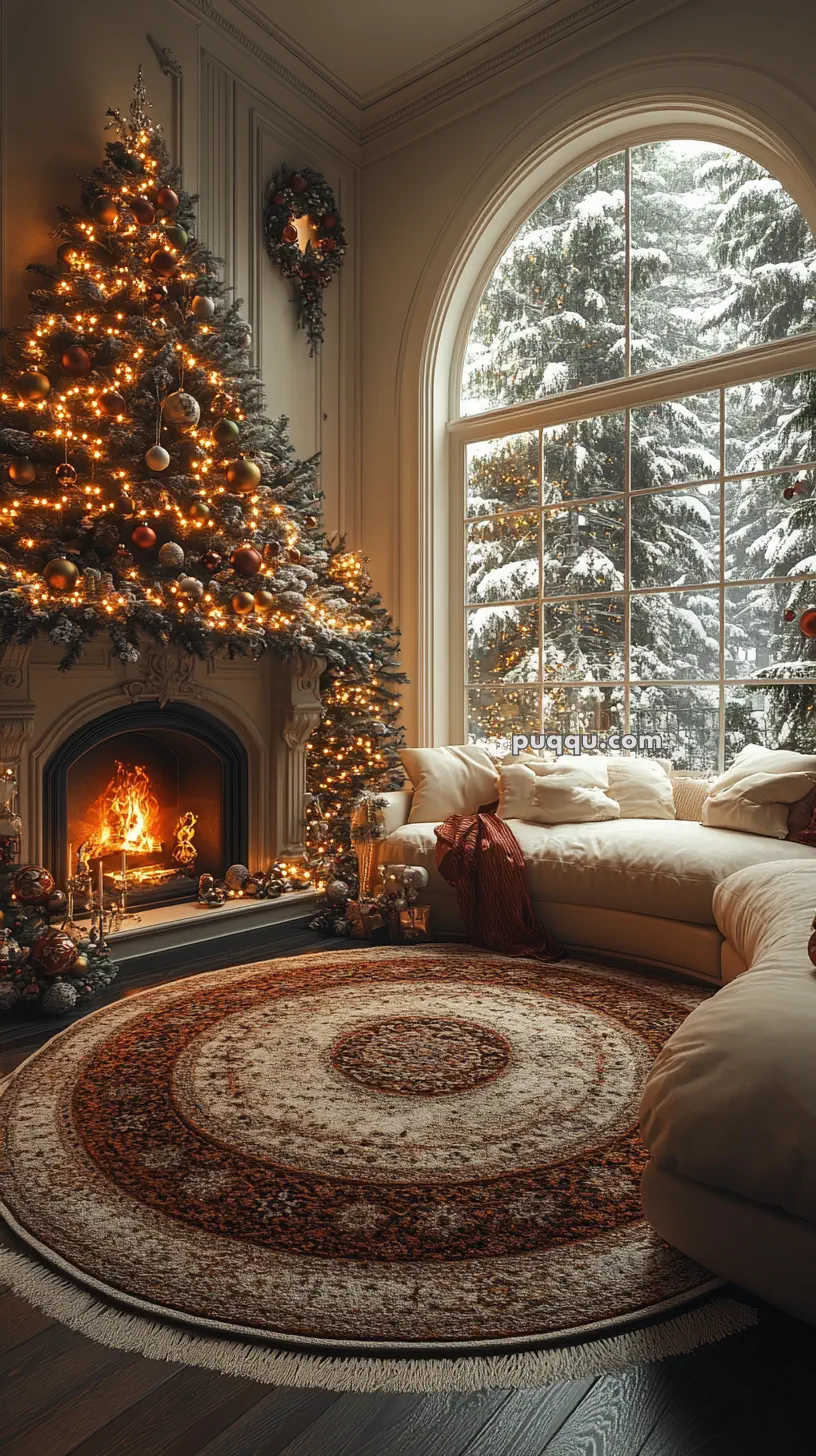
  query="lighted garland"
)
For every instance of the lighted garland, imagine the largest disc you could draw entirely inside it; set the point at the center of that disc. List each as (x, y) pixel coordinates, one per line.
(305, 238)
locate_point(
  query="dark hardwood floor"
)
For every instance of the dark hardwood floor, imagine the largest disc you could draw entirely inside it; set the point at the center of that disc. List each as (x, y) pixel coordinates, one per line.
(61, 1393)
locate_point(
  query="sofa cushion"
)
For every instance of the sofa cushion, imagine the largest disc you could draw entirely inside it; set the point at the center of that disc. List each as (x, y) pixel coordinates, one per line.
(642, 787)
(765, 913)
(759, 803)
(566, 791)
(663, 868)
(456, 780)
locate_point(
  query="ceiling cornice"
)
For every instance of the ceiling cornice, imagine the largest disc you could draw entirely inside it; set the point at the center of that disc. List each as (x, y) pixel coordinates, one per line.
(413, 101)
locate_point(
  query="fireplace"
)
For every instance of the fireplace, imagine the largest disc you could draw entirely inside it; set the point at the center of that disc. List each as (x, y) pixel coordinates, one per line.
(160, 793)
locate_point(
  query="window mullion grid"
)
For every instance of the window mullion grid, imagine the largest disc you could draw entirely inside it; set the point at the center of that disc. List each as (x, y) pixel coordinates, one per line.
(540, 581)
(627, 456)
(721, 740)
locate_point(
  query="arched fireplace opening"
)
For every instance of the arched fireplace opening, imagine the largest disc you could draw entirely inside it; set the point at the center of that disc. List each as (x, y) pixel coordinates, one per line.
(168, 786)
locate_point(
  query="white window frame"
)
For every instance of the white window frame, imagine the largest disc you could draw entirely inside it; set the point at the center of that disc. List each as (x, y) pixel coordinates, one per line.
(713, 373)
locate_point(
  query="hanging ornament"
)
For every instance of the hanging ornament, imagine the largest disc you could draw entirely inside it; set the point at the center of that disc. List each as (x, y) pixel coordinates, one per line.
(157, 293)
(111, 403)
(22, 471)
(789, 615)
(104, 210)
(143, 211)
(67, 254)
(272, 550)
(243, 476)
(144, 537)
(60, 575)
(290, 233)
(177, 236)
(246, 560)
(789, 492)
(297, 183)
(167, 199)
(226, 431)
(157, 458)
(33, 386)
(807, 622)
(54, 953)
(243, 602)
(65, 473)
(191, 587)
(202, 307)
(171, 554)
(163, 263)
(76, 360)
(199, 510)
(221, 403)
(32, 884)
(264, 600)
(211, 560)
(181, 410)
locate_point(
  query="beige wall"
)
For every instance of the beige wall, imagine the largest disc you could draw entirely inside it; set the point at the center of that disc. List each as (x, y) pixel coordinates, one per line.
(427, 206)
(65, 64)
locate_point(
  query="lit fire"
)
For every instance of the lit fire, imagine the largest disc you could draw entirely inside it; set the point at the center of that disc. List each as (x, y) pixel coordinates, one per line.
(126, 815)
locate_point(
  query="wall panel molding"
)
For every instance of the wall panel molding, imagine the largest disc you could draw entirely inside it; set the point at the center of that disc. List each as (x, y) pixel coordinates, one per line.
(217, 162)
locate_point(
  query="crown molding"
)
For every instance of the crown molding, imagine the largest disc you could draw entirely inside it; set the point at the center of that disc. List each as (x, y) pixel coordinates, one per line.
(426, 98)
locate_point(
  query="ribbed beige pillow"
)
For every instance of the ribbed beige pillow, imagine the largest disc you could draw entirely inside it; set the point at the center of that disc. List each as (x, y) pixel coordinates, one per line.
(458, 780)
(757, 804)
(566, 791)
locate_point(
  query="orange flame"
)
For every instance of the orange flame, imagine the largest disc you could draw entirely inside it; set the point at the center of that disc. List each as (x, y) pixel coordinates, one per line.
(127, 815)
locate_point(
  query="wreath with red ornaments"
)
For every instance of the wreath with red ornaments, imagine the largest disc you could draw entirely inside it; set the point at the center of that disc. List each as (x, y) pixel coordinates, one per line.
(305, 237)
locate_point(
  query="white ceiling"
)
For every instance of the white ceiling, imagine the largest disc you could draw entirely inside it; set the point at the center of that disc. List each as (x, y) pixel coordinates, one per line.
(369, 48)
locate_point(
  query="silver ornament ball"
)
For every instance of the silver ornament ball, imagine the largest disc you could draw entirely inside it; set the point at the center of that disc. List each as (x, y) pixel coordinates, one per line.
(157, 458)
(181, 410)
(171, 554)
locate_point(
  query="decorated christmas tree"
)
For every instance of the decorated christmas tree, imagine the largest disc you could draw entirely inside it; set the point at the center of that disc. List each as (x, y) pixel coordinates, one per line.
(354, 753)
(146, 494)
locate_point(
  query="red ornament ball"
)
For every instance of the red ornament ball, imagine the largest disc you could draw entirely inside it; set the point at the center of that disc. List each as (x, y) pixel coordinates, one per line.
(54, 953)
(812, 948)
(789, 492)
(32, 884)
(293, 554)
(290, 233)
(789, 615)
(163, 263)
(246, 560)
(330, 220)
(329, 244)
(76, 360)
(122, 559)
(143, 211)
(104, 210)
(278, 199)
(297, 183)
(22, 471)
(111, 403)
(807, 622)
(33, 386)
(167, 199)
(144, 536)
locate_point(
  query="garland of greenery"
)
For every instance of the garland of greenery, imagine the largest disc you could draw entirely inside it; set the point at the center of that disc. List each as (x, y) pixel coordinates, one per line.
(295, 193)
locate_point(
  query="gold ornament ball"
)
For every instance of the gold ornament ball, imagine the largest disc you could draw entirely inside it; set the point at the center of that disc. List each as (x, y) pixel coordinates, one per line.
(80, 965)
(124, 505)
(192, 588)
(243, 602)
(33, 386)
(243, 476)
(157, 458)
(163, 263)
(22, 471)
(202, 307)
(65, 473)
(181, 410)
(264, 600)
(104, 210)
(60, 575)
(226, 431)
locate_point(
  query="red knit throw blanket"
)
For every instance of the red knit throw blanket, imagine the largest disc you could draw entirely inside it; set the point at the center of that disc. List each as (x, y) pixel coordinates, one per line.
(480, 856)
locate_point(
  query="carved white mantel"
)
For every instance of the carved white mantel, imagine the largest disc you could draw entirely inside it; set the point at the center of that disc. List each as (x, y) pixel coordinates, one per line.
(272, 706)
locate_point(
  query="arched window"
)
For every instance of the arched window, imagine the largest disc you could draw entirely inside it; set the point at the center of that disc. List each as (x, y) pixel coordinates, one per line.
(638, 448)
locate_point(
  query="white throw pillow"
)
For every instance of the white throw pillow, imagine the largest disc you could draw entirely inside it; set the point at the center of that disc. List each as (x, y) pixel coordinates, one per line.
(566, 791)
(446, 781)
(753, 759)
(642, 788)
(757, 804)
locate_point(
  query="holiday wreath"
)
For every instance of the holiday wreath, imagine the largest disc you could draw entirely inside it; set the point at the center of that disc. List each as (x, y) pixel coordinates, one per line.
(305, 237)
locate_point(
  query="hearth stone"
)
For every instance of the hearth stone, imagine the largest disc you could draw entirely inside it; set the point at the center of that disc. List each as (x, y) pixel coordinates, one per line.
(266, 709)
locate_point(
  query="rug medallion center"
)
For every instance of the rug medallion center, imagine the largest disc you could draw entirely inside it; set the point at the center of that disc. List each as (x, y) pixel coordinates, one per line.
(421, 1056)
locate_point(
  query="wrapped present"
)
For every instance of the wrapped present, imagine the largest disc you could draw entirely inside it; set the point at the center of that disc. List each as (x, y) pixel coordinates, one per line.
(366, 921)
(415, 923)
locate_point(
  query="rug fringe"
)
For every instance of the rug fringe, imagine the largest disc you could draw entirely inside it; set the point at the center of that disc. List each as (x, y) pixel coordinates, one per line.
(156, 1340)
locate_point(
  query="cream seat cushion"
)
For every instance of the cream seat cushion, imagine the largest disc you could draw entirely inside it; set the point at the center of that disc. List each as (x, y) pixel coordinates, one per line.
(765, 912)
(663, 868)
(456, 780)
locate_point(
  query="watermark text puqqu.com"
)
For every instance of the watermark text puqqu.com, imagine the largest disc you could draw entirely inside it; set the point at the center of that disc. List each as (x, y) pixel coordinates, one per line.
(587, 742)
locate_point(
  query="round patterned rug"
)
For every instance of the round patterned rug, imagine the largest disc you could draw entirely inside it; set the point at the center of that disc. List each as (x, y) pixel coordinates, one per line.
(367, 1165)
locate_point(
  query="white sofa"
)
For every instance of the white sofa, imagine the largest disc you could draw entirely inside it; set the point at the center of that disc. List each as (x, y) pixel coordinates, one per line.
(643, 889)
(729, 1110)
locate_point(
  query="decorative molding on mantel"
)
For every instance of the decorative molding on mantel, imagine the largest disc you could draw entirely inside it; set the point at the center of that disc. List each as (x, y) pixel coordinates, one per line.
(167, 674)
(367, 120)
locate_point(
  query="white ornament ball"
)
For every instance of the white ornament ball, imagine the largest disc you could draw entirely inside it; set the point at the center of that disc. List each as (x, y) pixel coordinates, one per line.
(60, 997)
(181, 410)
(157, 458)
(338, 892)
(171, 554)
(191, 587)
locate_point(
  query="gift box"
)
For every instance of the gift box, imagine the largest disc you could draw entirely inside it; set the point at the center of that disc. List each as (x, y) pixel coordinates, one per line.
(366, 921)
(415, 923)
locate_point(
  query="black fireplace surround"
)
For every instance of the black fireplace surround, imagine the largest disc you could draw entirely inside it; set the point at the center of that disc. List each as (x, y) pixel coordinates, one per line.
(183, 734)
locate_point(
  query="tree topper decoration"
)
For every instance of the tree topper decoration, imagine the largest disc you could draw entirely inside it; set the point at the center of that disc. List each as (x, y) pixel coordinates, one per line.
(305, 237)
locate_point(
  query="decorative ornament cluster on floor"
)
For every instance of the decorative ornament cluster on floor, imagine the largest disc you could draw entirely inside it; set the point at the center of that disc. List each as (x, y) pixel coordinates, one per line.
(387, 1152)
